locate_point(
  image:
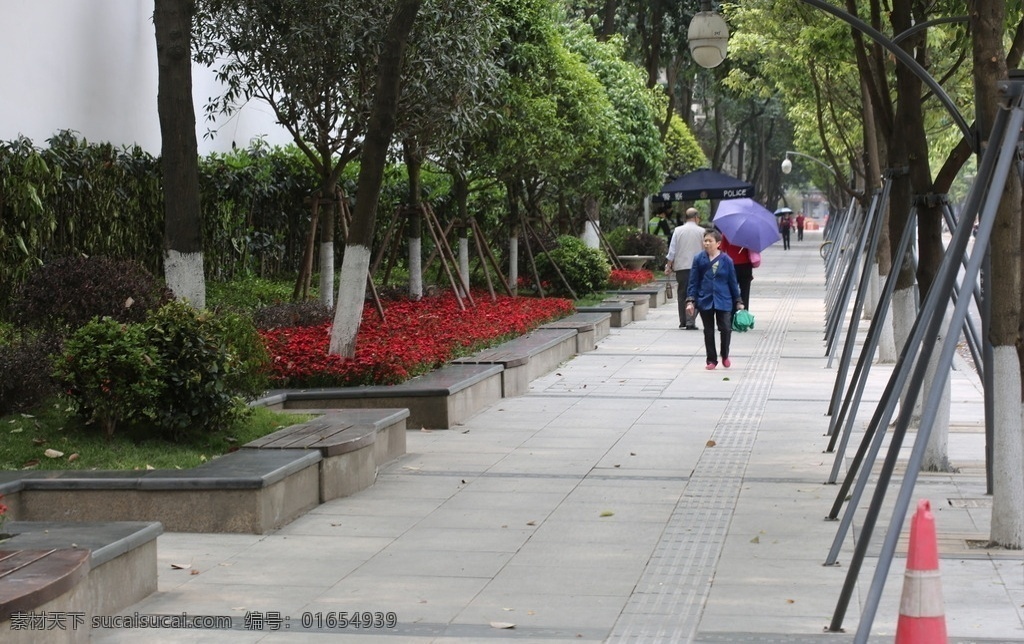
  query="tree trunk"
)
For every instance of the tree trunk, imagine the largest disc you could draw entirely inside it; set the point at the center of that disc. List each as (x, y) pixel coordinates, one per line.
(179, 159)
(414, 167)
(987, 20)
(356, 262)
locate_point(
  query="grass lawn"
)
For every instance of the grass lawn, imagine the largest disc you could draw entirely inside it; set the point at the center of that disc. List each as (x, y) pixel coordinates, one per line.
(53, 438)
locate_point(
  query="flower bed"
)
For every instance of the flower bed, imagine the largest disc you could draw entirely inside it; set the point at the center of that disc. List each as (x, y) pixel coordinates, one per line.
(414, 338)
(624, 278)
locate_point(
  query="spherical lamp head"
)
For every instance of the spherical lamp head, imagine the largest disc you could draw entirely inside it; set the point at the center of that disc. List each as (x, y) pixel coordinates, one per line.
(787, 166)
(708, 36)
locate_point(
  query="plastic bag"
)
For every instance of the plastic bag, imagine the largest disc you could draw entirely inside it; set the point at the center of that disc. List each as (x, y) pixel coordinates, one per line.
(742, 320)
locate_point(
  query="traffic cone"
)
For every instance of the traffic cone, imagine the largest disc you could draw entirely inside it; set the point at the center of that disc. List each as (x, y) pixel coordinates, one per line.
(922, 612)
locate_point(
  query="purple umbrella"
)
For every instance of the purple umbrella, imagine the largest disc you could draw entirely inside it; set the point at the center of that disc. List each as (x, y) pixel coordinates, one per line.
(747, 223)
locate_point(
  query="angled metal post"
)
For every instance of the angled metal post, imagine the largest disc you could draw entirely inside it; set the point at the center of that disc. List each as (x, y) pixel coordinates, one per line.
(856, 256)
(848, 412)
(873, 228)
(993, 167)
(1009, 137)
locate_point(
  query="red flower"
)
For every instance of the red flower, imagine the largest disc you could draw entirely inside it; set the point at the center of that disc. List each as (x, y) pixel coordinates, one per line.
(623, 278)
(414, 338)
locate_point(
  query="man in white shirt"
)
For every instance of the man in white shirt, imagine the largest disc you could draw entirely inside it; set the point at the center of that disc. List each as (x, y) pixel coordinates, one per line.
(687, 241)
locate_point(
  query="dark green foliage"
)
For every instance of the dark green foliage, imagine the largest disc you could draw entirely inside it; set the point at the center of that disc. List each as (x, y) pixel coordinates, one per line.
(67, 293)
(618, 236)
(25, 365)
(179, 372)
(307, 313)
(585, 269)
(643, 243)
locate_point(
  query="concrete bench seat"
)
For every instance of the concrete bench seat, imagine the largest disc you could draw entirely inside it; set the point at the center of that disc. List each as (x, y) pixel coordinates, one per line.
(621, 311)
(656, 291)
(353, 445)
(246, 491)
(641, 302)
(440, 399)
(527, 357)
(90, 568)
(590, 328)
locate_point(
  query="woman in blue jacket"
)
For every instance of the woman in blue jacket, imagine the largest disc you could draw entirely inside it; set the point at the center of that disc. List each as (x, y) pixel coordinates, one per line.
(714, 291)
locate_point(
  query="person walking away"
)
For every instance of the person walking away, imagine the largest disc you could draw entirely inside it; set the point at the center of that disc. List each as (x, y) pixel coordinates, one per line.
(713, 292)
(660, 224)
(785, 224)
(800, 226)
(745, 263)
(687, 241)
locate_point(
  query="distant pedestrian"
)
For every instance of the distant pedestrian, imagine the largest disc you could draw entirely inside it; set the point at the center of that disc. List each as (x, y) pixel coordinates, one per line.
(687, 241)
(785, 224)
(660, 224)
(744, 262)
(713, 292)
(800, 226)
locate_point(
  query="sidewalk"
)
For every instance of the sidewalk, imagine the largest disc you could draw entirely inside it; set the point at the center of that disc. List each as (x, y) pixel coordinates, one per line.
(630, 496)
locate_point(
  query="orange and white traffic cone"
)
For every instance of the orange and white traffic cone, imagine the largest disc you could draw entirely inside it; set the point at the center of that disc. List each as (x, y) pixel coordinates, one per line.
(922, 612)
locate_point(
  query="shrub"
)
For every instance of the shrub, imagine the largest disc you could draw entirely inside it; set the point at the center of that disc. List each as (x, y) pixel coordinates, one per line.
(111, 373)
(307, 313)
(585, 269)
(67, 293)
(24, 363)
(617, 238)
(180, 372)
(645, 244)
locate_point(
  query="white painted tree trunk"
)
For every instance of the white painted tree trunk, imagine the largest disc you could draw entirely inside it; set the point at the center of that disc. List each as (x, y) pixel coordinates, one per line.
(936, 453)
(513, 263)
(903, 312)
(351, 299)
(184, 275)
(464, 261)
(886, 352)
(1008, 458)
(327, 274)
(590, 235)
(871, 296)
(415, 268)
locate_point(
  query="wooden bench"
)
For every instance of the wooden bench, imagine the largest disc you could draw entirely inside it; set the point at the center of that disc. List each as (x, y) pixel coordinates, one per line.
(85, 569)
(621, 312)
(527, 357)
(353, 445)
(440, 399)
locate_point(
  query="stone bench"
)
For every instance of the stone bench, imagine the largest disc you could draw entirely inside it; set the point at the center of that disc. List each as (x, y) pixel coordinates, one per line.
(656, 291)
(86, 569)
(440, 399)
(246, 491)
(641, 302)
(352, 443)
(527, 357)
(621, 311)
(590, 328)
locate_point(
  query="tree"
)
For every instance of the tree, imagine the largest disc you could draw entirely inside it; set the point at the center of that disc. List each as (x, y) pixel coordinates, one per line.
(990, 66)
(183, 252)
(356, 262)
(448, 88)
(314, 62)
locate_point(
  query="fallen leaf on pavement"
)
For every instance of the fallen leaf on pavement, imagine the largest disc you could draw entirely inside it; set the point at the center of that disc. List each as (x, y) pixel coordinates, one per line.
(181, 566)
(502, 625)
(711, 443)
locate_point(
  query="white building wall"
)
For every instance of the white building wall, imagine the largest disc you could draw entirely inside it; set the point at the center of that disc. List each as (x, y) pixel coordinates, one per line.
(90, 66)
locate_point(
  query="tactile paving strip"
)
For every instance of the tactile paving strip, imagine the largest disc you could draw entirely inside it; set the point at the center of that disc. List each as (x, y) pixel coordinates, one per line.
(669, 597)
